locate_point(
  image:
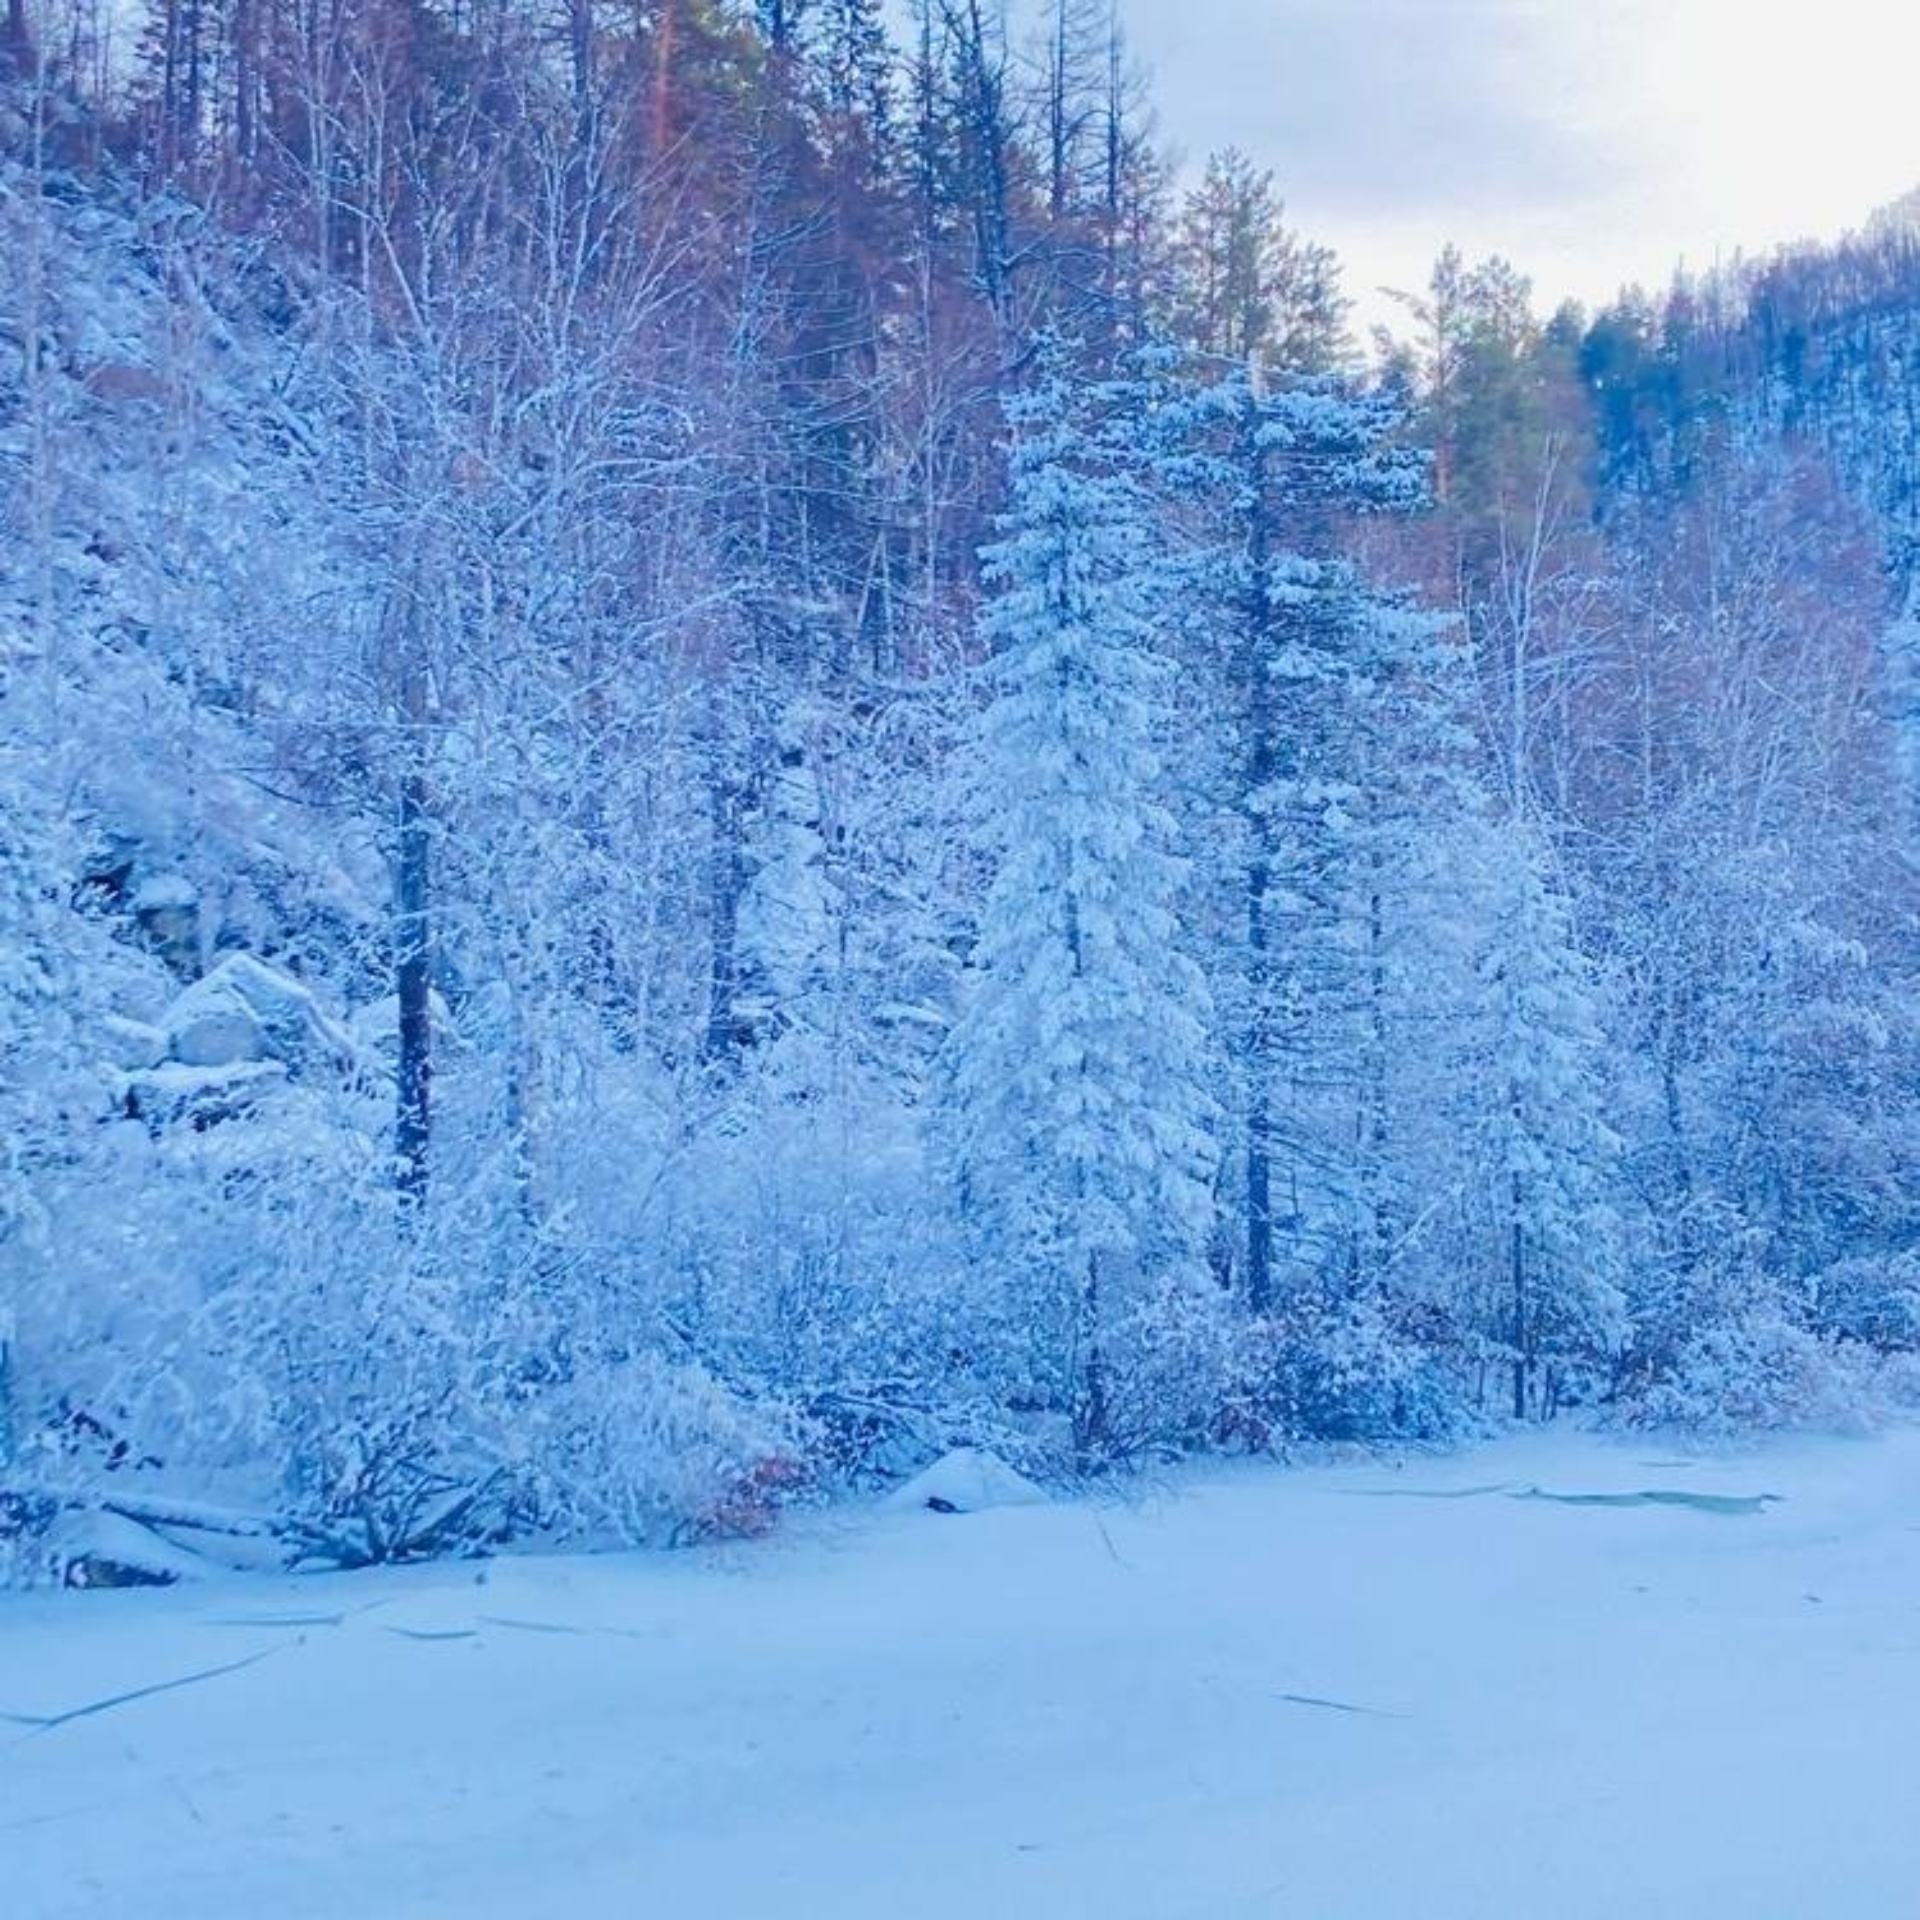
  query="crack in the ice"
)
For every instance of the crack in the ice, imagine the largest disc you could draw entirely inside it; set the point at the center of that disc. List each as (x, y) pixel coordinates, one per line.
(39, 1723)
(1338, 1706)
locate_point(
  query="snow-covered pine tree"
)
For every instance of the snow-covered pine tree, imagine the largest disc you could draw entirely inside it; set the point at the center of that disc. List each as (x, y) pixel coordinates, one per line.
(1074, 1102)
(855, 63)
(1544, 1157)
(1308, 661)
(1400, 965)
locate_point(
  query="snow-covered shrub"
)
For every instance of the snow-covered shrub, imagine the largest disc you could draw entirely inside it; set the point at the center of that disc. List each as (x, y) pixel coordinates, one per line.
(1874, 1299)
(250, 1306)
(1724, 1345)
(1329, 1369)
(1169, 1360)
(790, 1245)
(1761, 1374)
(654, 1451)
(1900, 1385)
(394, 1444)
(26, 1557)
(1718, 1278)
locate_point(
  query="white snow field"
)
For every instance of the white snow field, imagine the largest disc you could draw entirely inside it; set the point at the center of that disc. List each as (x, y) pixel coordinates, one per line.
(1393, 1693)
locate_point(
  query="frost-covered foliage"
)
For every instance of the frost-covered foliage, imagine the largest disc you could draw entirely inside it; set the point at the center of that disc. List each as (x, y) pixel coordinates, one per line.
(1763, 1372)
(1364, 1367)
(655, 1450)
(616, 908)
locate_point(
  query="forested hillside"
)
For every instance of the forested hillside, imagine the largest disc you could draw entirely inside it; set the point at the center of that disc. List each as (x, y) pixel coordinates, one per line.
(732, 748)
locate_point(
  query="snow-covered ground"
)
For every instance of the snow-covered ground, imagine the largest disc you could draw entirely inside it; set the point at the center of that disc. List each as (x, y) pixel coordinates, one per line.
(1358, 1691)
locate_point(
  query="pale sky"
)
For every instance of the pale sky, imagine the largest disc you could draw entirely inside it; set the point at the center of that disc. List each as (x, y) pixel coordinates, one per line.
(1593, 142)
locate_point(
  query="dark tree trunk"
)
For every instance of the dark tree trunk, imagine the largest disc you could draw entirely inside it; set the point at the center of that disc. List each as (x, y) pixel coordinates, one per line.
(413, 955)
(1379, 1121)
(16, 44)
(194, 27)
(982, 86)
(1259, 883)
(1095, 1421)
(1059, 134)
(661, 118)
(1517, 1256)
(726, 1034)
(246, 68)
(8, 1441)
(580, 54)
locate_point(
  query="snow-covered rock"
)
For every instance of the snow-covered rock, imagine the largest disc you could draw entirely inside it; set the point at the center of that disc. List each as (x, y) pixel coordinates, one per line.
(213, 1024)
(246, 1010)
(215, 1030)
(164, 893)
(109, 1550)
(132, 1045)
(203, 1095)
(967, 1480)
(167, 906)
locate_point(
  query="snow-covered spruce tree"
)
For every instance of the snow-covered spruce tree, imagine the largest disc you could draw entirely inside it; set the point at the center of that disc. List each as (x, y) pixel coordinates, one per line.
(1334, 721)
(1369, 1327)
(1298, 628)
(1074, 1104)
(1542, 1253)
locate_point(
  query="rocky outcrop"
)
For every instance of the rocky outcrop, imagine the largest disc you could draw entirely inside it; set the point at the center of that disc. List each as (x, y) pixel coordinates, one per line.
(239, 1034)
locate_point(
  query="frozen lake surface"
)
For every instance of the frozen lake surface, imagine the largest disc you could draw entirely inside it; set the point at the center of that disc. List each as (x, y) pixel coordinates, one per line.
(1365, 1692)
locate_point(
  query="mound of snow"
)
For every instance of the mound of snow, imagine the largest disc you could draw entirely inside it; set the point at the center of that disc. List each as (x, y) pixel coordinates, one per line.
(966, 1480)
